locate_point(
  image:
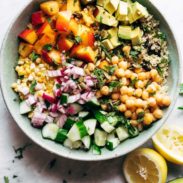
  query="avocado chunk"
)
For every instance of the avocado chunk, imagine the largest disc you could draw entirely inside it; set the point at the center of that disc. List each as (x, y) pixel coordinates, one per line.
(136, 36)
(111, 6)
(113, 34)
(124, 32)
(122, 11)
(136, 11)
(105, 18)
(107, 43)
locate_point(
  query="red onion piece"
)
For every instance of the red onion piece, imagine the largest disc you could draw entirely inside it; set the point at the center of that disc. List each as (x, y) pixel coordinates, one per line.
(38, 119)
(61, 120)
(49, 98)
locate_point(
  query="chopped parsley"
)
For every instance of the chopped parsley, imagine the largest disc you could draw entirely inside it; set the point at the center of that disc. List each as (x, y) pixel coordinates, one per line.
(134, 54)
(47, 47)
(104, 49)
(32, 87)
(161, 35)
(99, 73)
(77, 39)
(19, 151)
(58, 86)
(133, 81)
(111, 69)
(6, 179)
(33, 56)
(114, 84)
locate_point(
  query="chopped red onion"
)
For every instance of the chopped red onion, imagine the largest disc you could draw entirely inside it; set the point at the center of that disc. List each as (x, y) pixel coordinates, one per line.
(49, 119)
(38, 119)
(61, 120)
(54, 73)
(61, 109)
(49, 98)
(87, 96)
(53, 108)
(31, 100)
(54, 114)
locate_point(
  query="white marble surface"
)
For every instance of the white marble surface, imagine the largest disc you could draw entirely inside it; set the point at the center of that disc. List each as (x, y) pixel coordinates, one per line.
(34, 167)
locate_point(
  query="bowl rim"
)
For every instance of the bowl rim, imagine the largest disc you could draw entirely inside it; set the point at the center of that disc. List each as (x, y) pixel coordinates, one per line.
(112, 155)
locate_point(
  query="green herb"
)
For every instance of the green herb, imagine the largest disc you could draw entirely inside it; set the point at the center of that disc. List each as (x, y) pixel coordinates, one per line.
(99, 73)
(49, 20)
(140, 114)
(181, 108)
(110, 69)
(69, 60)
(52, 163)
(161, 35)
(100, 19)
(77, 39)
(181, 89)
(114, 84)
(140, 120)
(20, 77)
(134, 54)
(133, 131)
(104, 49)
(58, 86)
(148, 83)
(162, 65)
(160, 71)
(33, 56)
(133, 82)
(6, 179)
(47, 104)
(19, 151)
(32, 87)
(47, 47)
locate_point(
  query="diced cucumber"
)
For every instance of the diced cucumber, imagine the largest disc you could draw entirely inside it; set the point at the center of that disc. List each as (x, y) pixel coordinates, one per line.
(113, 120)
(133, 131)
(103, 112)
(93, 102)
(64, 98)
(96, 150)
(61, 135)
(100, 137)
(86, 141)
(72, 145)
(122, 133)
(90, 125)
(107, 127)
(112, 143)
(111, 136)
(83, 114)
(50, 131)
(24, 107)
(69, 123)
(77, 131)
(101, 118)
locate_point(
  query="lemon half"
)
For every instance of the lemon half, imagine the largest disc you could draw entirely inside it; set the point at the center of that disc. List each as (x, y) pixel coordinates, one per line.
(168, 141)
(145, 165)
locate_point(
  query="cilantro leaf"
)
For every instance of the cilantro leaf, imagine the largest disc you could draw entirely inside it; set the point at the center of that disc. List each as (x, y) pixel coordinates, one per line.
(99, 73)
(104, 49)
(33, 56)
(181, 108)
(47, 47)
(77, 39)
(32, 87)
(134, 54)
(111, 69)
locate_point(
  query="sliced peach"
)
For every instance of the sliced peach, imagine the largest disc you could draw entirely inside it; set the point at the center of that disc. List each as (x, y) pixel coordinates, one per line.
(28, 35)
(50, 7)
(88, 38)
(37, 18)
(45, 39)
(64, 44)
(63, 21)
(52, 57)
(83, 53)
(45, 28)
(25, 49)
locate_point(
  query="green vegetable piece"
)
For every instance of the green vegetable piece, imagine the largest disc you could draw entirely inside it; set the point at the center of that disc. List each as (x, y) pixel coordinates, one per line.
(181, 89)
(68, 124)
(47, 47)
(82, 129)
(101, 118)
(32, 87)
(33, 56)
(64, 98)
(96, 149)
(61, 135)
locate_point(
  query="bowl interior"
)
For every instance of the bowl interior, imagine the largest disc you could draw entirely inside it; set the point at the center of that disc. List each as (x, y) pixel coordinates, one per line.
(9, 59)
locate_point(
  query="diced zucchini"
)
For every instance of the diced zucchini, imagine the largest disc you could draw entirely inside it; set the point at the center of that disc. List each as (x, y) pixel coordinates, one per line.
(24, 108)
(50, 131)
(93, 102)
(100, 137)
(77, 131)
(72, 145)
(96, 149)
(83, 114)
(86, 141)
(112, 143)
(122, 133)
(101, 118)
(107, 127)
(69, 123)
(61, 135)
(64, 98)
(90, 125)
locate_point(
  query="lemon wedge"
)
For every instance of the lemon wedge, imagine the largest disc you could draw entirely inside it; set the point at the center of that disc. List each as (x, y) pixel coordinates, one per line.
(168, 141)
(145, 165)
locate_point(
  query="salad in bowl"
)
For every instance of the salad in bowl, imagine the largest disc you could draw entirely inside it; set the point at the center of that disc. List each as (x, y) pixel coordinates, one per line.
(92, 74)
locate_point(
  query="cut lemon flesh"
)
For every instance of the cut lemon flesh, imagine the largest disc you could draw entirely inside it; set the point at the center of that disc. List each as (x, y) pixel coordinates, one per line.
(168, 141)
(145, 166)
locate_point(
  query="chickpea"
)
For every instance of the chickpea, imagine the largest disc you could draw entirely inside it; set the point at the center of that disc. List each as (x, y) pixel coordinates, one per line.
(98, 94)
(159, 99)
(126, 50)
(138, 70)
(123, 65)
(157, 86)
(128, 114)
(142, 76)
(125, 81)
(152, 102)
(148, 119)
(153, 73)
(124, 98)
(91, 67)
(139, 84)
(130, 103)
(133, 122)
(130, 91)
(115, 60)
(128, 73)
(148, 76)
(122, 108)
(139, 110)
(158, 113)
(124, 90)
(113, 78)
(120, 73)
(151, 88)
(166, 101)
(134, 76)
(105, 90)
(87, 71)
(104, 106)
(115, 96)
(138, 92)
(134, 116)
(145, 95)
(158, 79)
(139, 103)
